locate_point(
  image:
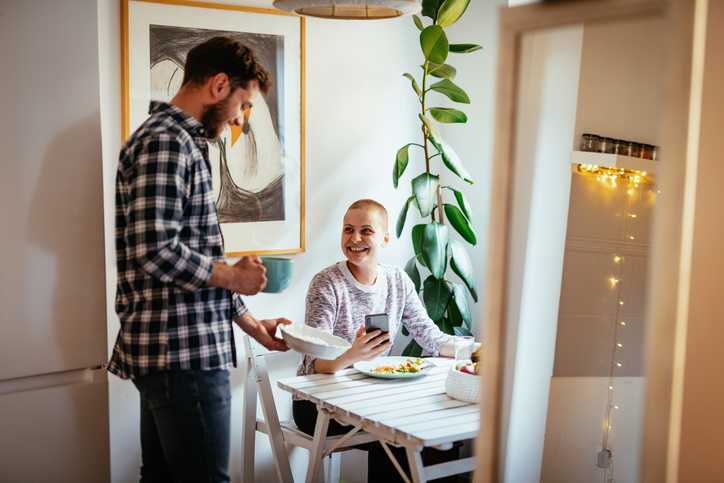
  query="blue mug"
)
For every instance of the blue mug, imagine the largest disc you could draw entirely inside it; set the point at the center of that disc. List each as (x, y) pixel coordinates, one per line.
(278, 274)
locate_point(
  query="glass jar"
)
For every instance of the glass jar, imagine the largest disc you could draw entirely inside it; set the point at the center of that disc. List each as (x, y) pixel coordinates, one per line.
(589, 142)
(647, 151)
(620, 147)
(634, 149)
(607, 145)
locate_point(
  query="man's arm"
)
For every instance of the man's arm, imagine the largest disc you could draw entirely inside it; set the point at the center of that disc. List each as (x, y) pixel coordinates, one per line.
(264, 331)
(158, 194)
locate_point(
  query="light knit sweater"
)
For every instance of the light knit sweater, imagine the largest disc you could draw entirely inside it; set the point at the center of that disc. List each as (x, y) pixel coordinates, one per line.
(337, 303)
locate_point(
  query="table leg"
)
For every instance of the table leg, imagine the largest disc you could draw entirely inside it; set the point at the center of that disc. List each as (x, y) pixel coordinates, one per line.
(317, 450)
(417, 470)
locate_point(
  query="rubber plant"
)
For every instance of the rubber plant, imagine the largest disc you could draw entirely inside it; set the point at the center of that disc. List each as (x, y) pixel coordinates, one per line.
(437, 248)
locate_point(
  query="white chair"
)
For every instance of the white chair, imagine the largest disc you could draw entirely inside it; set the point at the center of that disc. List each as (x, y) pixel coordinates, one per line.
(284, 433)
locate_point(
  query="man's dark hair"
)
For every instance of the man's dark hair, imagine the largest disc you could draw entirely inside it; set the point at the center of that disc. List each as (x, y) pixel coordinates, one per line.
(225, 55)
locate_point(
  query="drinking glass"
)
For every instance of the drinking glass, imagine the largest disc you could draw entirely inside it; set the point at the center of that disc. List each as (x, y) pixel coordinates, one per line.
(464, 346)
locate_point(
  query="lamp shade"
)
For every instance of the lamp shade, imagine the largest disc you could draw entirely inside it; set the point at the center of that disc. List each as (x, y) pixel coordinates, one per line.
(350, 9)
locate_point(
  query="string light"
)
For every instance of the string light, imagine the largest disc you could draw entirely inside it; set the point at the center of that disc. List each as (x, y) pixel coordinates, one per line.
(631, 181)
(612, 177)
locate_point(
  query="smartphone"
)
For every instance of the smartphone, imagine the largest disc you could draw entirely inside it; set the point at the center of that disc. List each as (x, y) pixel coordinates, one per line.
(377, 322)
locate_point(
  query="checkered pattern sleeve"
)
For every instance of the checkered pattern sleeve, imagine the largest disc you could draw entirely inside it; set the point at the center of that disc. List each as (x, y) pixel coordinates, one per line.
(158, 186)
(238, 306)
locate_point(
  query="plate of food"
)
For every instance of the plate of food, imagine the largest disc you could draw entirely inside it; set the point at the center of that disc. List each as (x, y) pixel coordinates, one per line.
(392, 367)
(314, 342)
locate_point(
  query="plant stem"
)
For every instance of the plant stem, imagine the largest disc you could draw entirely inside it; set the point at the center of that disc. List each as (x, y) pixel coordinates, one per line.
(440, 211)
(424, 132)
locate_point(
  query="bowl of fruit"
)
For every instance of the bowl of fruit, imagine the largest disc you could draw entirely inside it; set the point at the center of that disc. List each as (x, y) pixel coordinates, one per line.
(463, 381)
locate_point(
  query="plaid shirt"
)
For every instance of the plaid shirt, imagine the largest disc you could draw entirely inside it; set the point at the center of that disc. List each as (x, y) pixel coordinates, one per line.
(167, 238)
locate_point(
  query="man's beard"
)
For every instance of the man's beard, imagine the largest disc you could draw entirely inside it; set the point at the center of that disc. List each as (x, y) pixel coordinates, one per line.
(214, 119)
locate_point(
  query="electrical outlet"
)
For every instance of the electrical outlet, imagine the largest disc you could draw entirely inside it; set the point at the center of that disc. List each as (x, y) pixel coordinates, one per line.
(603, 458)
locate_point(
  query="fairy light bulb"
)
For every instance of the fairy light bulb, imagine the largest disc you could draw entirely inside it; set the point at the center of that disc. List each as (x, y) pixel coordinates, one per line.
(622, 323)
(619, 364)
(619, 345)
(613, 281)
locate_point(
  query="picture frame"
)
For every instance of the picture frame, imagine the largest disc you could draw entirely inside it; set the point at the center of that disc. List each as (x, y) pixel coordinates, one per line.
(258, 173)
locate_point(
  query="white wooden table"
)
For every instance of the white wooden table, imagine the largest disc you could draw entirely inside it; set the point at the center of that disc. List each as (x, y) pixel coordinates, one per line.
(411, 413)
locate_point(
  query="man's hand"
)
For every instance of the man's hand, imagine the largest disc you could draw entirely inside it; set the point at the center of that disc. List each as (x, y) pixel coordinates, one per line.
(264, 331)
(247, 276)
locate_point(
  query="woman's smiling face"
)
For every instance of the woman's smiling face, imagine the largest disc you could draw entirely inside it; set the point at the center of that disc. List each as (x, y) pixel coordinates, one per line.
(363, 234)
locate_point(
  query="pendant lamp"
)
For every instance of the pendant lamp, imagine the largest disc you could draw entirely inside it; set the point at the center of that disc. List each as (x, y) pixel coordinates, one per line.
(350, 9)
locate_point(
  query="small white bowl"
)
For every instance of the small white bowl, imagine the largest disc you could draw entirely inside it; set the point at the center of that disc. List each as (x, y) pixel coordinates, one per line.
(297, 338)
(461, 385)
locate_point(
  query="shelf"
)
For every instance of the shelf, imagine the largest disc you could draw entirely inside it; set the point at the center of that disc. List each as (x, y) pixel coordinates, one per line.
(614, 161)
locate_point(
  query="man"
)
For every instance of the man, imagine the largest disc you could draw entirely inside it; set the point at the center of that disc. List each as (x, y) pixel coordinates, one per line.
(176, 297)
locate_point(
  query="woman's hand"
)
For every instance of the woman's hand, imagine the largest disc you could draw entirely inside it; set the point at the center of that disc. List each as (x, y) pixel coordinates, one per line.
(366, 346)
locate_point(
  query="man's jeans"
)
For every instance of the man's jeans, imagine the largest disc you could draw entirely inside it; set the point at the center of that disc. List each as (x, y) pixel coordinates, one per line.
(185, 417)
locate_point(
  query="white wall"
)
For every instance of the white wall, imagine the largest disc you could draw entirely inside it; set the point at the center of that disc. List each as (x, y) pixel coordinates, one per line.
(550, 63)
(622, 67)
(359, 112)
(577, 406)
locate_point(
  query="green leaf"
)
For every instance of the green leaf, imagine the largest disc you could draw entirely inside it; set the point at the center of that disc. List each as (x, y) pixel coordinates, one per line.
(451, 90)
(464, 48)
(418, 22)
(413, 349)
(454, 316)
(418, 233)
(452, 161)
(460, 223)
(462, 265)
(430, 8)
(462, 331)
(413, 272)
(434, 248)
(436, 295)
(461, 301)
(446, 325)
(441, 71)
(462, 202)
(448, 115)
(434, 44)
(451, 11)
(405, 332)
(433, 133)
(403, 216)
(401, 160)
(415, 87)
(425, 189)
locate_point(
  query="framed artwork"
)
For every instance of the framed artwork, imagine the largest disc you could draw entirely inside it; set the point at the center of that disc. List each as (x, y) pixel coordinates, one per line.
(258, 171)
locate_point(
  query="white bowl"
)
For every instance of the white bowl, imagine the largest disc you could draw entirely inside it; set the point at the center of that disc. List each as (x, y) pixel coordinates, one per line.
(461, 385)
(314, 342)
